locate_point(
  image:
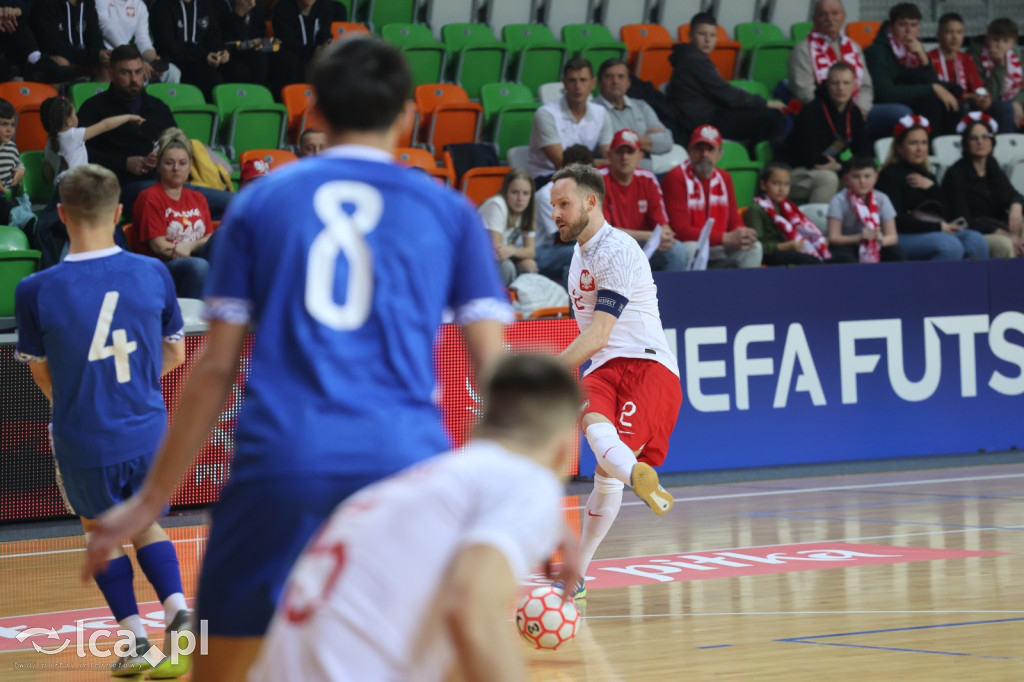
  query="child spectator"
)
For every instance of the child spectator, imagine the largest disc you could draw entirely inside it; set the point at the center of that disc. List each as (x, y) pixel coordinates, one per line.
(11, 168)
(953, 66)
(862, 221)
(1001, 71)
(509, 216)
(66, 148)
(788, 237)
(312, 142)
(908, 181)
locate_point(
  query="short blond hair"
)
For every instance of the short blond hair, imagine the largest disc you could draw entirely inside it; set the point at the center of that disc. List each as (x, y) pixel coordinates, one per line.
(89, 193)
(174, 138)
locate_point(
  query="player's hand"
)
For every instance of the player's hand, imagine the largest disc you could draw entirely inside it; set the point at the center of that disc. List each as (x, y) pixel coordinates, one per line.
(112, 527)
(569, 571)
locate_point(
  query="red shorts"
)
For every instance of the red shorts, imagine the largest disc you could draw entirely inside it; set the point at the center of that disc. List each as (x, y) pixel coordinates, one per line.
(641, 398)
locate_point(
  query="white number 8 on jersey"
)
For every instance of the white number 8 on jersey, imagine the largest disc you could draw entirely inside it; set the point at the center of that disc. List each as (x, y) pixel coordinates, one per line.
(343, 234)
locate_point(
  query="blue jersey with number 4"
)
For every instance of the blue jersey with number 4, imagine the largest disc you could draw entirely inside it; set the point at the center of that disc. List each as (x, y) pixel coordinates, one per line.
(345, 263)
(99, 320)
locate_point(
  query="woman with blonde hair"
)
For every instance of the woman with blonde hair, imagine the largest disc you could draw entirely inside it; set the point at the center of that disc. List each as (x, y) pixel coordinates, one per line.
(172, 222)
(509, 216)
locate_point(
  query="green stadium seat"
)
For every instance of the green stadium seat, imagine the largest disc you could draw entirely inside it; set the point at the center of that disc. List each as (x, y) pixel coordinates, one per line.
(15, 265)
(191, 112)
(495, 96)
(744, 182)
(593, 42)
(12, 239)
(733, 154)
(383, 12)
(536, 56)
(756, 33)
(252, 120)
(477, 58)
(82, 91)
(407, 34)
(800, 30)
(769, 64)
(763, 153)
(37, 188)
(427, 58)
(512, 126)
(753, 87)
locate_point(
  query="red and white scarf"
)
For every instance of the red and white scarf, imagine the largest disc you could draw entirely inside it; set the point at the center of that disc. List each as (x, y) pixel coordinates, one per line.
(823, 56)
(1014, 80)
(904, 56)
(870, 249)
(794, 226)
(698, 203)
(939, 62)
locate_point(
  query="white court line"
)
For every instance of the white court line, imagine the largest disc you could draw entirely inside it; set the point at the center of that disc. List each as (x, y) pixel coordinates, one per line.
(81, 549)
(709, 497)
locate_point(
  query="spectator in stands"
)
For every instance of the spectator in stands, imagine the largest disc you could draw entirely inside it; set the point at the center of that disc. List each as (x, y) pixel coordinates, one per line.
(127, 21)
(312, 142)
(70, 30)
(903, 73)
(978, 190)
(699, 94)
(554, 256)
(953, 66)
(1000, 69)
(830, 127)
(304, 28)
(65, 148)
(128, 151)
(573, 119)
(243, 23)
(862, 220)
(908, 181)
(186, 32)
(812, 57)
(633, 114)
(19, 50)
(252, 170)
(172, 222)
(787, 235)
(634, 204)
(696, 191)
(510, 218)
(12, 170)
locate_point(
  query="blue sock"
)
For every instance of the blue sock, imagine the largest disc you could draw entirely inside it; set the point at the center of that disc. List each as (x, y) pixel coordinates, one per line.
(116, 585)
(159, 562)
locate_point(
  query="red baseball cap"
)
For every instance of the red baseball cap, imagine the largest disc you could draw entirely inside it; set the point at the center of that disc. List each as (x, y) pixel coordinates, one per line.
(254, 169)
(626, 138)
(707, 134)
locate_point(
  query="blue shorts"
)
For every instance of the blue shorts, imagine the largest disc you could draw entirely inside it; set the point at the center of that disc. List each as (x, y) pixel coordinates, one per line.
(258, 528)
(90, 491)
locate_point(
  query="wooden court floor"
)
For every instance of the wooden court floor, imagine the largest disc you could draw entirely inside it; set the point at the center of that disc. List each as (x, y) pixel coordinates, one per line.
(897, 576)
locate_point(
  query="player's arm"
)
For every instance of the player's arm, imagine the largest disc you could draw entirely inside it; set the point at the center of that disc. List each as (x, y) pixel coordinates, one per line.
(484, 341)
(201, 402)
(475, 596)
(594, 338)
(41, 375)
(174, 355)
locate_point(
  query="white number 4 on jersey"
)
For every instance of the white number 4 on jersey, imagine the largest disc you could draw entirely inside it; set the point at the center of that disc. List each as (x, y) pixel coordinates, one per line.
(120, 349)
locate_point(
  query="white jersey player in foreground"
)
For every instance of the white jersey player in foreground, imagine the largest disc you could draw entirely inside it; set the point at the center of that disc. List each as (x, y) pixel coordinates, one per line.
(632, 386)
(414, 576)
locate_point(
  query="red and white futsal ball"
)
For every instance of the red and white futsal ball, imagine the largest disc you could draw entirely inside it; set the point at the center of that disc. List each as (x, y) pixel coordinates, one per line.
(544, 620)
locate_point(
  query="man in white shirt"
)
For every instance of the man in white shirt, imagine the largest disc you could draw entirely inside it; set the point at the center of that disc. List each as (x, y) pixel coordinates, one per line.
(416, 573)
(121, 22)
(632, 386)
(573, 119)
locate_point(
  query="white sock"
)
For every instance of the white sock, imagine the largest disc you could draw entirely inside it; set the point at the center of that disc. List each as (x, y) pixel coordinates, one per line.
(173, 604)
(134, 624)
(599, 515)
(613, 455)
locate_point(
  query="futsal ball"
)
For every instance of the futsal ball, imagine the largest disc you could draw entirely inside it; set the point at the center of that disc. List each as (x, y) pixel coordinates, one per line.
(544, 620)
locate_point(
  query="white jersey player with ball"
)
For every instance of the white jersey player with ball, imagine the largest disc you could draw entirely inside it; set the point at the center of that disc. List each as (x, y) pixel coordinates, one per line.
(632, 386)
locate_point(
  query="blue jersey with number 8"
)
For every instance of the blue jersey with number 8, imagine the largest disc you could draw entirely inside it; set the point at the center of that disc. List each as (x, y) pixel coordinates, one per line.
(99, 320)
(345, 263)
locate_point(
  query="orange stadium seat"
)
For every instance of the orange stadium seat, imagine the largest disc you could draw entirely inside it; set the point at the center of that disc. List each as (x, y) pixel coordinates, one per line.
(296, 97)
(340, 29)
(421, 158)
(726, 55)
(652, 64)
(447, 116)
(480, 184)
(863, 32)
(26, 93)
(639, 36)
(275, 157)
(30, 135)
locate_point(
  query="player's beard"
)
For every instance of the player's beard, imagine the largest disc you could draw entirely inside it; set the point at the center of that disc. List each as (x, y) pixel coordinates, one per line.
(576, 227)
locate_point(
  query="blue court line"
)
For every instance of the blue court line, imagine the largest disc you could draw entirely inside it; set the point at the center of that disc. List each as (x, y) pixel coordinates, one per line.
(775, 515)
(810, 639)
(714, 646)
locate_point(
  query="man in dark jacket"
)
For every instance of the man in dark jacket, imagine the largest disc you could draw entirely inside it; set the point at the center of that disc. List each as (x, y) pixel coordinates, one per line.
(70, 30)
(246, 20)
(828, 130)
(699, 94)
(902, 72)
(304, 28)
